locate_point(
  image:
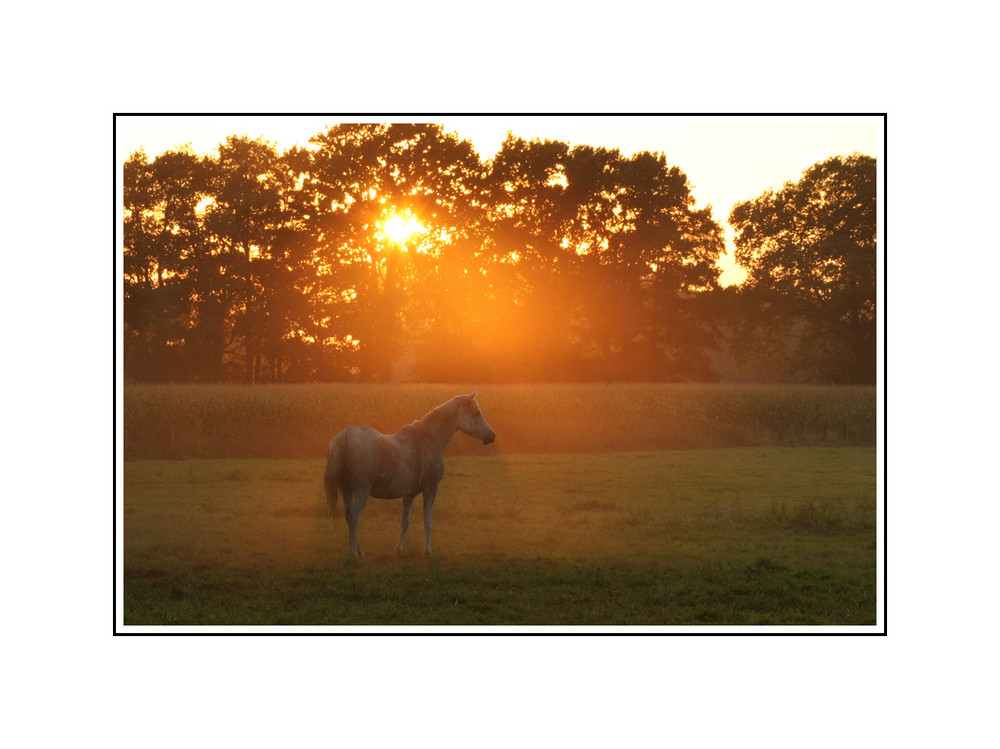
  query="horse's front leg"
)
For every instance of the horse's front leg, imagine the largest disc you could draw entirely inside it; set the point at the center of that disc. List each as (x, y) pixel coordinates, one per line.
(404, 522)
(429, 495)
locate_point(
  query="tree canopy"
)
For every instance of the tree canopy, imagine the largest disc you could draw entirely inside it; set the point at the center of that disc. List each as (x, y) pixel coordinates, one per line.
(385, 250)
(808, 304)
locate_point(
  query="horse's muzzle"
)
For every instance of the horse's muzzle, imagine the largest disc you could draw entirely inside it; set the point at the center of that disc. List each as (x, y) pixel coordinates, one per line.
(489, 438)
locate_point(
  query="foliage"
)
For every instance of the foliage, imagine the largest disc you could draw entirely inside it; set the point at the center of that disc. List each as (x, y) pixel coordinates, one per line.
(807, 308)
(602, 259)
(357, 178)
(164, 245)
(261, 259)
(547, 263)
(680, 537)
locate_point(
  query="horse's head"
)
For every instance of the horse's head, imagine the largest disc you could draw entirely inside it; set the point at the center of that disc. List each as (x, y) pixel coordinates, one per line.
(471, 420)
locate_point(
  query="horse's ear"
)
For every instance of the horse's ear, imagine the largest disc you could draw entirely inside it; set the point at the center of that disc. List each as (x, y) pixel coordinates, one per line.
(473, 396)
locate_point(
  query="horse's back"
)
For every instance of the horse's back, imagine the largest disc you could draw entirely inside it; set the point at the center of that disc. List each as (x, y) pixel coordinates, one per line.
(359, 437)
(356, 452)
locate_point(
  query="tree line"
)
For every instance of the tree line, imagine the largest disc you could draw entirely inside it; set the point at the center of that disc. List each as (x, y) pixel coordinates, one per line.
(388, 250)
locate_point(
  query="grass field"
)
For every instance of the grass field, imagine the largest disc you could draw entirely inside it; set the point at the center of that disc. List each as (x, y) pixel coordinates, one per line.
(753, 535)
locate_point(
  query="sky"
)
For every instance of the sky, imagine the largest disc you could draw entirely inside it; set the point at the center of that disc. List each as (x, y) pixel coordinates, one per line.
(727, 159)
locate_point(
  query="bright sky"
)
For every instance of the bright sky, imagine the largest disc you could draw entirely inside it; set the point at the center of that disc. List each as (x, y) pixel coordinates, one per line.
(727, 159)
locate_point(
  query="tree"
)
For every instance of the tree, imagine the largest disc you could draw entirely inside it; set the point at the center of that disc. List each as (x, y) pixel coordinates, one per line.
(548, 263)
(603, 260)
(260, 261)
(162, 236)
(359, 178)
(808, 304)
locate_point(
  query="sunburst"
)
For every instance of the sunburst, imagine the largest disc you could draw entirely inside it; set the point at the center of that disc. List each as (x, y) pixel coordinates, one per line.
(399, 227)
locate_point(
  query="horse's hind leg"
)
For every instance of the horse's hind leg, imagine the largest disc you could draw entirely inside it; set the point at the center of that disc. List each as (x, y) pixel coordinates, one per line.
(429, 495)
(404, 522)
(354, 503)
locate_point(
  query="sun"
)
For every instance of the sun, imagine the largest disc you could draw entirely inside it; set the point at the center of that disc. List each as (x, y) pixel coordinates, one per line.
(400, 227)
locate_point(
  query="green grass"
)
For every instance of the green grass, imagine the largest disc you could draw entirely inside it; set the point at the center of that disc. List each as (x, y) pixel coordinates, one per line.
(726, 536)
(297, 421)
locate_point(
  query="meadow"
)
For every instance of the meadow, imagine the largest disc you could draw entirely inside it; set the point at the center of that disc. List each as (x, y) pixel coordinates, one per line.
(780, 532)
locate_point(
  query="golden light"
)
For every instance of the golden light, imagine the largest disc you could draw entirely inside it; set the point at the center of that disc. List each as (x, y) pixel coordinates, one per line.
(398, 228)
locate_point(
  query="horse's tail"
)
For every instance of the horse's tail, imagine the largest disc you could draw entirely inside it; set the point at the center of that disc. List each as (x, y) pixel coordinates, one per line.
(334, 470)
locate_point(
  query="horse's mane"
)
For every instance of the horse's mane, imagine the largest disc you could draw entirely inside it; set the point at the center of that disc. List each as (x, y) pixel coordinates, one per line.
(422, 428)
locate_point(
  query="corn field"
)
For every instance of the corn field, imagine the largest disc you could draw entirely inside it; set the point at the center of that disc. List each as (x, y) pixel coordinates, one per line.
(297, 421)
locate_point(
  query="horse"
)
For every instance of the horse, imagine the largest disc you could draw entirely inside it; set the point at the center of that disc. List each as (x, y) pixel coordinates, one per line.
(363, 462)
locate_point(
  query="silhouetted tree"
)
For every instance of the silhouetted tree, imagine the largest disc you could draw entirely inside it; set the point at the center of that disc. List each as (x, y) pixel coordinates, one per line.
(162, 238)
(600, 260)
(808, 305)
(262, 254)
(359, 176)
(547, 263)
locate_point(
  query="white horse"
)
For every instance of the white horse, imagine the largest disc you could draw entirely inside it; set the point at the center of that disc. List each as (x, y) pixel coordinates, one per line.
(362, 462)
